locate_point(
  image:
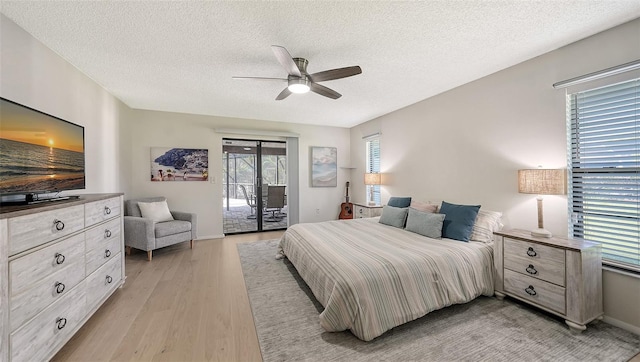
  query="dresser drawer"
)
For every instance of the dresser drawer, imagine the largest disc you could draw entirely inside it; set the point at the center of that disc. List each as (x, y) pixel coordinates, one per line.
(100, 255)
(539, 261)
(537, 291)
(101, 210)
(53, 287)
(43, 335)
(28, 270)
(26, 232)
(100, 235)
(104, 280)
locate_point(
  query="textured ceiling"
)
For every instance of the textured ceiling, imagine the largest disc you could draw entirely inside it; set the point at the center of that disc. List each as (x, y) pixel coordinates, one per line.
(180, 56)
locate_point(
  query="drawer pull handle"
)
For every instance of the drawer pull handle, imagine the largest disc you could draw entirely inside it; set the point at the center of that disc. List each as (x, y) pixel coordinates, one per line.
(531, 252)
(530, 290)
(531, 270)
(107, 233)
(109, 279)
(58, 224)
(107, 253)
(59, 287)
(59, 258)
(61, 322)
(107, 210)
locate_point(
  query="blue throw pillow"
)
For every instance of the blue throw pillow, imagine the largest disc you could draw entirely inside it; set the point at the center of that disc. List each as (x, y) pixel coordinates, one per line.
(393, 216)
(399, 201)
(458, 220)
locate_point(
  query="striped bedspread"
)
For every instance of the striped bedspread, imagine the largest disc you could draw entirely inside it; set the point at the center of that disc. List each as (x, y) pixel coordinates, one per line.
(372, 277)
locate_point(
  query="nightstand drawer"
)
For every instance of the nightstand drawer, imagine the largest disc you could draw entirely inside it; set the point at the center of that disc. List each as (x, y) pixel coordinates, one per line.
(537, 291)
(552, 272)
(535, 260)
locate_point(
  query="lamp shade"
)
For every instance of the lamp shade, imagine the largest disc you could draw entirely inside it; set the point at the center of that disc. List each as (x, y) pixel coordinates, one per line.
(372, 179)
(542, 181)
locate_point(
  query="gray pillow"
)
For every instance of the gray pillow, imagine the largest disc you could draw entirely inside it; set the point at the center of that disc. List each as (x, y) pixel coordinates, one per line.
(393, 216)
(425, 223)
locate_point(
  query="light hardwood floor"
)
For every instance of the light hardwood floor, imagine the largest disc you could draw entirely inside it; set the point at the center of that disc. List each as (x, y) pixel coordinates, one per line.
(185, 305)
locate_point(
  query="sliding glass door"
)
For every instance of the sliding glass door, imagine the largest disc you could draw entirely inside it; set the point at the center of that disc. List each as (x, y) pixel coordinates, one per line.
(254, 189)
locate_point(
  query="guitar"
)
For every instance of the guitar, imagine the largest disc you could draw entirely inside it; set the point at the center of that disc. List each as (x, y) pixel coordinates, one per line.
(346, 208)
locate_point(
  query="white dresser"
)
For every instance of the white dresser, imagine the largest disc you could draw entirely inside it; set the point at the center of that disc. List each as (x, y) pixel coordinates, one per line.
(58, 263)
(363, 210)
(561, 276)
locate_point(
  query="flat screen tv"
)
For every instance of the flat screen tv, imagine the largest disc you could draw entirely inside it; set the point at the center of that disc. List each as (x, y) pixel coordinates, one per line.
(39, 153)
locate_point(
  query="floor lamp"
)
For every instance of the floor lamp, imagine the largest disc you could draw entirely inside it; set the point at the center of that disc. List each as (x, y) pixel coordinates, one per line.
(542, 182)
(372, 179)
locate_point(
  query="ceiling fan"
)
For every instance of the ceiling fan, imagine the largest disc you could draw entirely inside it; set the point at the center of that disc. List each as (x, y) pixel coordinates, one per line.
(299, 81)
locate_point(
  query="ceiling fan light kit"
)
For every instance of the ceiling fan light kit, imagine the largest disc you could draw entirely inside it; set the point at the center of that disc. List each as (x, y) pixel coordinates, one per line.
(299, 85)
(299, 81)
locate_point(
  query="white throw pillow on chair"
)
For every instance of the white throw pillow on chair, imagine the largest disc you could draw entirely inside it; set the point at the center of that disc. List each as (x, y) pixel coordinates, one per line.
(156, 211)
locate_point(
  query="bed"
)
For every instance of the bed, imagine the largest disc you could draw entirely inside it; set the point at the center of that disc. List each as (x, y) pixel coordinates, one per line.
(371, 277)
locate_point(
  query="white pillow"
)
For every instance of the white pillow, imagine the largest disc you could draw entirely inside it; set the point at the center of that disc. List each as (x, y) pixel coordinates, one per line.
(156, 211)
(486, 223)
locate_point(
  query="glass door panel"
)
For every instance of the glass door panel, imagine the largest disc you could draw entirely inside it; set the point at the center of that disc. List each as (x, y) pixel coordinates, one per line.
(246, 203)
(274, 177)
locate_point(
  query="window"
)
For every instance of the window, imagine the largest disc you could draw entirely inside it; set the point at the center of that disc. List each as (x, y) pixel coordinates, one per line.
(604, 163)
(373, 166)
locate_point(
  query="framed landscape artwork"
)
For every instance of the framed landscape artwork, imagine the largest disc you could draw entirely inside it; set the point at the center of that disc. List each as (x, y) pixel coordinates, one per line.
(179, 164)
(324, 167)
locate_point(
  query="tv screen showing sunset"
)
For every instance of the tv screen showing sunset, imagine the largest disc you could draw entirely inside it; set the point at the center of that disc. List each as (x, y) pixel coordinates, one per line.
(38, 152)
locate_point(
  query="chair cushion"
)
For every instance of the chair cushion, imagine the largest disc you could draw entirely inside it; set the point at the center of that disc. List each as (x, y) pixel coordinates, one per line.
(171, 227)
(131, 206)
(156, 211)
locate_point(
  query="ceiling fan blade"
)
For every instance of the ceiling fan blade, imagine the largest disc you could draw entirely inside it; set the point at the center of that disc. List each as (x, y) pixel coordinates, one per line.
(284, 94)
(257, 78)
(286, 60)
(335, 74)
(324, 91)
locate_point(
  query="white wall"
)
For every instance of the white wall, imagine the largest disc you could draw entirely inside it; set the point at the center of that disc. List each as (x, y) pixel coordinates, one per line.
(466, 145)
(147, 129)
(33, 75)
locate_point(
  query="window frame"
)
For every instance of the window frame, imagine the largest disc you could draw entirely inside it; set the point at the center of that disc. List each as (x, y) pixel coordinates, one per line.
(372, 156)
(603, 143)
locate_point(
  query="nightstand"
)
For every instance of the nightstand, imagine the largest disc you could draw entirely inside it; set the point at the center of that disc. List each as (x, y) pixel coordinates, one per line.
(561, 276)
(363, 210)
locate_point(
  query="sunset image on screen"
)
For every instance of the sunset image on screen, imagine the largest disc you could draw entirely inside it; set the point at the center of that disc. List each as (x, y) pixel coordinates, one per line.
(38, 153)
(23, 125)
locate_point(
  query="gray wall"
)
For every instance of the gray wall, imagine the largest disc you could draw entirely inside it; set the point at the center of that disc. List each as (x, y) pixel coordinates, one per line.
(148, 129)
(466, 145)
(33, 75)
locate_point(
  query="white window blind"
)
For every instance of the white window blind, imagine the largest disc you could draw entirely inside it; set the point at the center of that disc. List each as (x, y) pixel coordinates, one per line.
(605, 170)
(373, 166)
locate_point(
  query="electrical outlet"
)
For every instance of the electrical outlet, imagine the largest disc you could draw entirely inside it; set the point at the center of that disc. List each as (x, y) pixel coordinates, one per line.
(318, 211)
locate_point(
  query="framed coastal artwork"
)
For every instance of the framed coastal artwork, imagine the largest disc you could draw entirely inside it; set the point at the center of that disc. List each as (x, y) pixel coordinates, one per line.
(179, 164)
(324, 167)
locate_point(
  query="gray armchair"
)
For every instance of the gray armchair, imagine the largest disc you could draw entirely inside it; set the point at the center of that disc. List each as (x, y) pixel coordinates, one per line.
(144, 234)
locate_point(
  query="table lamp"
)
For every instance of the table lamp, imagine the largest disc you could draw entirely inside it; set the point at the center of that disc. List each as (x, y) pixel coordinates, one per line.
(372, 179)
(542, 182)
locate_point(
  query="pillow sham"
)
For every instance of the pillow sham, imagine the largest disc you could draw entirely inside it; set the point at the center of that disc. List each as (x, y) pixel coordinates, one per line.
(486, 223)
(424, 206)
(399, 201)
(393, 216)
(458, 221)
(156, 211)
(425, 223)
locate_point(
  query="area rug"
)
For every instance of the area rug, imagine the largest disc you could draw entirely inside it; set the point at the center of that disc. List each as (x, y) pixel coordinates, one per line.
(486, 329)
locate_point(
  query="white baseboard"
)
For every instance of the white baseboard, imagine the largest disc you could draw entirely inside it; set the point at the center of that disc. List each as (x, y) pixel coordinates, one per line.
(207, 237)
(626, 326)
